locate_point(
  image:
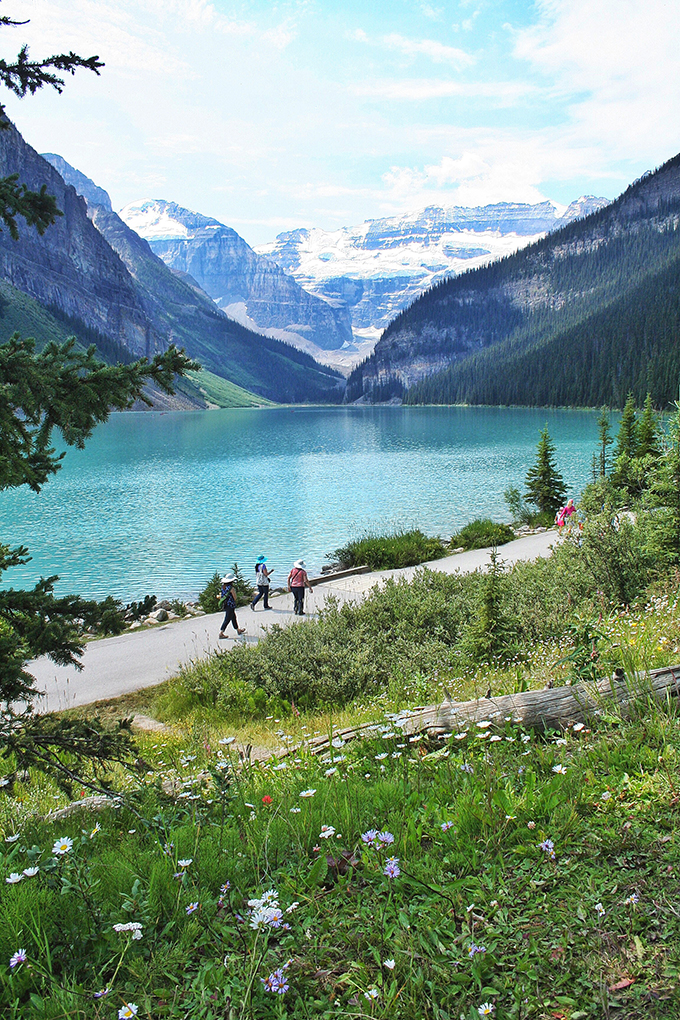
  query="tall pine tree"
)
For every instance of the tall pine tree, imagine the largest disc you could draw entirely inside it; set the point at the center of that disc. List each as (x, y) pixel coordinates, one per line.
(544, 484)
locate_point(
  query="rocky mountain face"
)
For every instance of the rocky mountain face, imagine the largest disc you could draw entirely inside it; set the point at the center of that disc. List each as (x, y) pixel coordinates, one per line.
(578, 317)
(129, 303)
(249, 288)
(380, 267)
(71, 268)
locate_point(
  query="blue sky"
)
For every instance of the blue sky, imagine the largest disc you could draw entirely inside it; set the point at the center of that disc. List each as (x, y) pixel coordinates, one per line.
(324, 113)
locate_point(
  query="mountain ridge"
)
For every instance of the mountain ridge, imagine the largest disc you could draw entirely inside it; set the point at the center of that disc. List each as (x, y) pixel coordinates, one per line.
(469, 338)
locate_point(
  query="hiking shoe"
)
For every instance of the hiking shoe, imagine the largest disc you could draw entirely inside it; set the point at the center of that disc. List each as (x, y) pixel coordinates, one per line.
(222, 635)
(241, 630)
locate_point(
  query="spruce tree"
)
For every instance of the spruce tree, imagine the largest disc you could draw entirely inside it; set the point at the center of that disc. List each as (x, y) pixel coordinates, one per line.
(648, 431)
(605, 440)
(626, 446)
(544, 484)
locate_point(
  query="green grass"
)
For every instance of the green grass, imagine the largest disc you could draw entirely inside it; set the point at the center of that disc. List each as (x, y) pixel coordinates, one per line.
(223, 393)
(387, 552)
(472, 874)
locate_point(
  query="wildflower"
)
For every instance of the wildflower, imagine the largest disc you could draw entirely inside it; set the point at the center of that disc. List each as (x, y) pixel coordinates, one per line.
(486, 1009)
(13, 839)
(379, 757)
(548, 847)
(385, 837)
(266, 799)
(226, 741)
(392, 869)
(560, 769)
(578, 727)
(30, 872)
(525, 738)
(294, 905)
(484, 724)
(495, 739)
(465, 767)
(96, 829)
(224, 889)
(445, 826)
(13, 878)
(101, 993)
(168, 848)
(389, 964)
(127, 1010)
(192, 908)
(474, 950)
(62, 846)
(606, 795)
(372, 993)
(330, 772)
(19, 957)
(134, 926)
(560, 742)
(280, 768)
(326, 832)
(185, 862)
(308, 793)
(531, 825)
(460, 736)
(369, 837)
(599, 910)
(276, 982)
(295, 810)
(631, 900)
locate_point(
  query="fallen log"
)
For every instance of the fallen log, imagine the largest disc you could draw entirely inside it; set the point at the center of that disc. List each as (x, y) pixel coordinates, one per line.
(553, 708)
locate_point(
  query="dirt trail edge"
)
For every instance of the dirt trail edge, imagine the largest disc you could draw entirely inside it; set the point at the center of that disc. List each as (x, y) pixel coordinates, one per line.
(118, 665)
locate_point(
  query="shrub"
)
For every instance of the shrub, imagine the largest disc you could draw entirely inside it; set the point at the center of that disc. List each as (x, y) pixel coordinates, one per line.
(387, 552)
(209, 598)
(481, 533)
(137, 610)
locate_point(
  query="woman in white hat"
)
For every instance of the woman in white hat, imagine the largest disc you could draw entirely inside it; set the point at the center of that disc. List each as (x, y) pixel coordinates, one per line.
(228, 603)
(297, 582)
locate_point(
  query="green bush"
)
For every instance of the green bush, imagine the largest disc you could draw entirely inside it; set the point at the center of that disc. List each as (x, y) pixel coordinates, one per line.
(387, 552)
(481, 533)
(209, 598)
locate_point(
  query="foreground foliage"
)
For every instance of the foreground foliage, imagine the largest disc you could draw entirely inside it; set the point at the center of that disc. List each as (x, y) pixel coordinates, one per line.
(537, 877)
(388, 552)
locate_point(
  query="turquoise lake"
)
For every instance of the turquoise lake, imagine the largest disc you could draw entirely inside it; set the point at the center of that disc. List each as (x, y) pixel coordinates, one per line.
(158, 501)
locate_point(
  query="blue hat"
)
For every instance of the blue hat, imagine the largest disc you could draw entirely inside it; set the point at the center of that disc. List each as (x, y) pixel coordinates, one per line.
(261, 559)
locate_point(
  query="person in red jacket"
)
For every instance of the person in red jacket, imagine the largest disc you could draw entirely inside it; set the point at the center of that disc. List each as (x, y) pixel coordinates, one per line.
(297, 582)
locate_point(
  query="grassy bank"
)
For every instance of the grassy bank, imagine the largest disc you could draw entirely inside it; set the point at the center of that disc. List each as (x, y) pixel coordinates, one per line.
(526, 877)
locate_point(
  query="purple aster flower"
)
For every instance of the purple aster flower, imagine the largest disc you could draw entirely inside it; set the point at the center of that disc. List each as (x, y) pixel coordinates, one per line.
(192, 908)
(19, 957)
(276, 982)
(392, 869)
(369, 837)
(548, 847)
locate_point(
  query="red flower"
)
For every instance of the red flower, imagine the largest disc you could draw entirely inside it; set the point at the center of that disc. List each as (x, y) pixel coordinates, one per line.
(266, 799)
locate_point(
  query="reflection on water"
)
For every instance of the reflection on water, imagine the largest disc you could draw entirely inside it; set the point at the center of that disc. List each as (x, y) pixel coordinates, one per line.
(157, 502)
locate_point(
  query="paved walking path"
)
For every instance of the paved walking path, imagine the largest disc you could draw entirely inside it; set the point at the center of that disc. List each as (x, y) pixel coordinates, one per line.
(118, 665)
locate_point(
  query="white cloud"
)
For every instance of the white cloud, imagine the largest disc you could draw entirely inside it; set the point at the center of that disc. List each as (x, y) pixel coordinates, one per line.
(616, 62)
(502, 93)
(435, 51)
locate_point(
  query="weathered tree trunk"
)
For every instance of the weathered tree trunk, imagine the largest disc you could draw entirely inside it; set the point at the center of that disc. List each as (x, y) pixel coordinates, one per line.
(548, 709)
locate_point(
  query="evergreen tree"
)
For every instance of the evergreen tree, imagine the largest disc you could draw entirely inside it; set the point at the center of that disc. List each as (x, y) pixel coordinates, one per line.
(605, 440)
(68, 391)
(544, 484)
(626, 446)
(664, 496)
(648, 431)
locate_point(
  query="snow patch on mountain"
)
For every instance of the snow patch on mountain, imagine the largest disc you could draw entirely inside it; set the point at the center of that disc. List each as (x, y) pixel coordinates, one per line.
(152, 221)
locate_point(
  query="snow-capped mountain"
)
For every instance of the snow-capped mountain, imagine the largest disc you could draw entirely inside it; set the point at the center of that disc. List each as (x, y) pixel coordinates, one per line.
(379, 267)
(251, 289)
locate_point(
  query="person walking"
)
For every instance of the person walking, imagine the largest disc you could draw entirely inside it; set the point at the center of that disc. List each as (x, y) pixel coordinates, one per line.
(262, 576)
(228, 603)
(297, 582)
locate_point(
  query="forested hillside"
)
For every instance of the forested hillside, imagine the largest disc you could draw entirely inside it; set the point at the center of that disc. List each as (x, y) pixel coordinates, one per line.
(579, 318)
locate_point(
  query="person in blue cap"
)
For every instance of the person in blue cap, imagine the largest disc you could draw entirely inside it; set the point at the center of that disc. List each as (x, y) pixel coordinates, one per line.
(262, 580)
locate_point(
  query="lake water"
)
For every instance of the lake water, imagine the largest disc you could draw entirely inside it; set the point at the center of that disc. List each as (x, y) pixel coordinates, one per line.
(157, 502)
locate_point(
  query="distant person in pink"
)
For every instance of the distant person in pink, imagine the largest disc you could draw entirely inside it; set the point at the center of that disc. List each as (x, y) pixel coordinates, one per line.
(297, 582)
(562, 515)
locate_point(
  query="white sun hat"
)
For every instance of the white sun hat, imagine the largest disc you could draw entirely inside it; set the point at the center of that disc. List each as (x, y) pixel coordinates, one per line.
(300, 564)
(228, 578)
